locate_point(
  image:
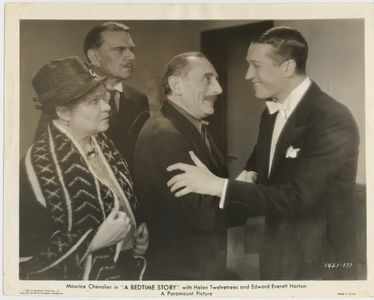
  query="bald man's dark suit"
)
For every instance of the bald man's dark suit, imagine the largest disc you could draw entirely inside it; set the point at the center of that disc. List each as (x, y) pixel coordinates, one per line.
(188, 236)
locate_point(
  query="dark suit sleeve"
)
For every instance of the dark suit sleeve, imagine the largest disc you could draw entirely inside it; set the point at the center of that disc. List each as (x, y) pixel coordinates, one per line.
(171, 147)
(331, 144)
(140, 100)
(251, 164)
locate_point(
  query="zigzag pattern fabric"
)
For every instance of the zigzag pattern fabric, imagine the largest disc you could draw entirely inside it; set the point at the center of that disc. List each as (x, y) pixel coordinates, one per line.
(76, 203)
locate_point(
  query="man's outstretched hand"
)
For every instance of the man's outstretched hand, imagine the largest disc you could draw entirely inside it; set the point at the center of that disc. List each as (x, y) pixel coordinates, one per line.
(195, 179)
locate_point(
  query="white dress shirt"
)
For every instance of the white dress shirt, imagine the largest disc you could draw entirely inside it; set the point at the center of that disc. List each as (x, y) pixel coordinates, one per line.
(119, 88)
(284, 110)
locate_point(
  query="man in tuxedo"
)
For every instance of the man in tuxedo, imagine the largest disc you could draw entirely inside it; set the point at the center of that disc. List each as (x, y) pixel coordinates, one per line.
(188, 236)
(301, 174)
(109, 50)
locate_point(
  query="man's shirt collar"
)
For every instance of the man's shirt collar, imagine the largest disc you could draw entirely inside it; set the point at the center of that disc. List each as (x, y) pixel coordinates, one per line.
(118, 87)
(195, 122)
(289, 104)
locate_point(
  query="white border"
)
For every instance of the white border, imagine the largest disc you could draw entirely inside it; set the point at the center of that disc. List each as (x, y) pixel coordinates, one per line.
(167, 11)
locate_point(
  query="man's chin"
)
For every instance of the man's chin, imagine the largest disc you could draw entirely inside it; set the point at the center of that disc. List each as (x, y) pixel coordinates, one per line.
(209, 112)
(263, 96)
(125, 75)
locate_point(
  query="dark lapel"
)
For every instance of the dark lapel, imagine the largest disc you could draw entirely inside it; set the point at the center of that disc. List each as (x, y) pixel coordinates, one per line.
(187, 129)
(126, 96)
(295, 125)
(121, 121)
(264, 143)
(126, 91)
(218, 158)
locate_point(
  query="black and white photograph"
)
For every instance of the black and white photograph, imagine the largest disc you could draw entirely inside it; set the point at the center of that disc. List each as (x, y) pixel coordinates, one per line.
(182, 156)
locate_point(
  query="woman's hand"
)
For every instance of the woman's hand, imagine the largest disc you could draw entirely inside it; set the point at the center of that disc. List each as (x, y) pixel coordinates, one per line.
(114, 229)
(141, 240)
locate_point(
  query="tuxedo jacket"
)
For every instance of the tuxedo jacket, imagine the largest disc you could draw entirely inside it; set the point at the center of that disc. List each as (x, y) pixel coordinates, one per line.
(307, 200)
(187, 234)
(132, 104)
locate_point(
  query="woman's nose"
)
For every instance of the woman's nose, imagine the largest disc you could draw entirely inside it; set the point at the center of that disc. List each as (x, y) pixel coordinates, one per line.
(105, 104)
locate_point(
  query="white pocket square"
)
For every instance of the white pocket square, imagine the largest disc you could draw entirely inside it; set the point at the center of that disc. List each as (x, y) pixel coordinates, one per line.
(292, 152)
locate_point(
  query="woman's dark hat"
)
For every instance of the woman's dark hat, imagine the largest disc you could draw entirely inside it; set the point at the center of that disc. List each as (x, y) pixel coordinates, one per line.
(63, 80)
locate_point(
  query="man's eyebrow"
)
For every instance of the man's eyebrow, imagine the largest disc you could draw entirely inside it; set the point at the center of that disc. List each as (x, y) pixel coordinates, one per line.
(124, 47)
(210, 74)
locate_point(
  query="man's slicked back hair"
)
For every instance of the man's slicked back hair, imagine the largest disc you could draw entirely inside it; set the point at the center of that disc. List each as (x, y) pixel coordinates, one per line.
(93, 38)
(288, 44)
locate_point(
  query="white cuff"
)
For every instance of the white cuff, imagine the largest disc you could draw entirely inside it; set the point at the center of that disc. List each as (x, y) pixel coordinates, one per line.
(252, 176)
(223, 195)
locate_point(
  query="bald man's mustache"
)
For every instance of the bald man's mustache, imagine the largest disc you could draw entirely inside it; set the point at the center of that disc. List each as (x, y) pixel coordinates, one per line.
(211, 97)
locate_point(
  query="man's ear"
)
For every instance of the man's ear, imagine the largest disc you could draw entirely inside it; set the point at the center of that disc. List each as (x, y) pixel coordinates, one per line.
(94, 57)
(289, 67)
(174, 84)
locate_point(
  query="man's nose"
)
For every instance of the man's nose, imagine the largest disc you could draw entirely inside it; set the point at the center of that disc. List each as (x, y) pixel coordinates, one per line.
(129, 54)
(250, 73)
(216, 87)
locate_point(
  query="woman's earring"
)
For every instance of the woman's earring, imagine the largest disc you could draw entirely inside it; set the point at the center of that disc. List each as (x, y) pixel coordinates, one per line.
(67, 123)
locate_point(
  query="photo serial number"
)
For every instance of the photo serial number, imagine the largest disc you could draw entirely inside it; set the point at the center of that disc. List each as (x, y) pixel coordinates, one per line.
(335, 265)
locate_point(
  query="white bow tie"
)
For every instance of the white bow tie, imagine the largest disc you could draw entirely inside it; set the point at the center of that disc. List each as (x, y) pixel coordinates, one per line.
(276, 106)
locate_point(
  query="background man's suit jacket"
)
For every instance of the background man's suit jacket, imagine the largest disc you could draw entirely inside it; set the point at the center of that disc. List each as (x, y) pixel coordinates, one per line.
(307, 201)
(132, 104)
(187, 234)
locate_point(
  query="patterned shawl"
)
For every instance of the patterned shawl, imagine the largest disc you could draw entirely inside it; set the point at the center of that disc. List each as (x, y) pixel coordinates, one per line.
(76, 203)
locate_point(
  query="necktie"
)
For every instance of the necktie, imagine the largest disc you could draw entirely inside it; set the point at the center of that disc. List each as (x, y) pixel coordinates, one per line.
(277, 107)
(282, 110)
(204, 134)
(114, 94)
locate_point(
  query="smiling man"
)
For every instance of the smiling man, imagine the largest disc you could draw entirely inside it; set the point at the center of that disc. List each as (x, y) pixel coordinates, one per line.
(188, 236)
(301, 174)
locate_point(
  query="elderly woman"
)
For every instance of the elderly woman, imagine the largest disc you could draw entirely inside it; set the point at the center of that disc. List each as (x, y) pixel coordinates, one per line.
(77, 204)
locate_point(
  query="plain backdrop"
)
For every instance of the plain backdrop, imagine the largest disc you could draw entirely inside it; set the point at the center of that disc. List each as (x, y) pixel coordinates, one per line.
(336, 63)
